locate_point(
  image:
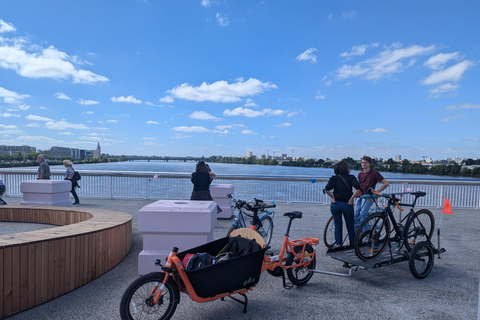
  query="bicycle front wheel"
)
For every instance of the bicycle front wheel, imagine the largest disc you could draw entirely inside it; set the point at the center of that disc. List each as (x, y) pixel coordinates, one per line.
(329, 233)
(137, 300)
(419, 227)
(266, 230)
(301, 275)
(370, 243)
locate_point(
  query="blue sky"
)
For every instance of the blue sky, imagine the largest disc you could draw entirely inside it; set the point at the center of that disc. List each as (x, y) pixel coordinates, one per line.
(316, 79)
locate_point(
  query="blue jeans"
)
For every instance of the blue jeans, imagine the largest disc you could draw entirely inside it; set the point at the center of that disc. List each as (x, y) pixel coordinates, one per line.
(337, 209)
(361, 211)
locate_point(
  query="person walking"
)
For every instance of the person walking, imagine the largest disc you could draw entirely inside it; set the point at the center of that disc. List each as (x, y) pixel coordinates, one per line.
(69, 175)
(342, 200)
(43, 168)
(368, 179)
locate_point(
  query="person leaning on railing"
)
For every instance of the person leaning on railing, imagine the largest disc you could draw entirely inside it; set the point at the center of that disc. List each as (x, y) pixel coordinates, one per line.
(43, 168)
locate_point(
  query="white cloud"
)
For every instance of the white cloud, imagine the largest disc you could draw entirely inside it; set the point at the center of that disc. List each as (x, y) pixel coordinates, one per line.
(358, 50)
(65, 133)
(284, 125)
(129, 99)
(450, 118)
(222, 19)
(180, 136)
(11, 97)
(439, 61)
(87, 102)
(463, 106)
(206, 3)
(453, 73)
(112, 121)
(62, 96)
(195, 129)
(8, 126)
(443, 88)
(319, 96)
(33, 61)
(147, 138)
(202, 115)
(167, 99)
(63, 125)
(6, 27)
(308, 55)
(152, 122)
(249, 113)
(221, 91)
(249, 132)
(385, 63)
(37, 118)
(349, 14)
(378, 130)
(250, 103)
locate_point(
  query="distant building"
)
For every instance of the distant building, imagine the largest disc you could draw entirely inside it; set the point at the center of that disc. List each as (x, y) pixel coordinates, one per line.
(97, 152)
(14, 149)
(249, 154)
(398, 158)
(73, 153)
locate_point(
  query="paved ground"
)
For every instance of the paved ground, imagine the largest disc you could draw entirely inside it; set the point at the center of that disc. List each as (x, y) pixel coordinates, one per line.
(449, 292)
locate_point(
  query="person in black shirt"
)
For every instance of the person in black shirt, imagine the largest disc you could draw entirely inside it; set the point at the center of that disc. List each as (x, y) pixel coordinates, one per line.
(342, 200)
(201, 180)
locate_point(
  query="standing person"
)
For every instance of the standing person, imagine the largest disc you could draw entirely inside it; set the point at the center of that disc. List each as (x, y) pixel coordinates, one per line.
(43, 168)
(368, 179)
(201, 180)
(342, 200)
(69, 176)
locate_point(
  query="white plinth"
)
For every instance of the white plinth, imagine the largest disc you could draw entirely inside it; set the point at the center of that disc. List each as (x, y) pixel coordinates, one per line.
(165, 224)
(219, 194)
(46, 192)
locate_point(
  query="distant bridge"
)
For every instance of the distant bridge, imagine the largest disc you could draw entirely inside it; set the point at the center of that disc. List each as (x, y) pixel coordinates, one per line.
(166, 159)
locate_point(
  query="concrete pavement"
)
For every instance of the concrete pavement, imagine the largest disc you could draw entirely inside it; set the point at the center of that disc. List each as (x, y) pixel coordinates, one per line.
(391, 292)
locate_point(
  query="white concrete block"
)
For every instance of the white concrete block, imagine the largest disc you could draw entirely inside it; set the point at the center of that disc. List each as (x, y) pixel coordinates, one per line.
(46, 192)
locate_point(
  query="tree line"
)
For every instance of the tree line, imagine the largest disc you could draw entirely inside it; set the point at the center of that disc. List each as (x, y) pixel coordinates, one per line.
(448, 169)
(30, 159)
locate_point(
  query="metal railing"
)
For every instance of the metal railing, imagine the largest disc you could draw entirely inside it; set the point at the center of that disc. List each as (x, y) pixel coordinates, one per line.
(116, 185)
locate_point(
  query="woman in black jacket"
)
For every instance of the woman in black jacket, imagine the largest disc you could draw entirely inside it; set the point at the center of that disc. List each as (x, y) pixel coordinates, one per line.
(201, 180)
(342, 200)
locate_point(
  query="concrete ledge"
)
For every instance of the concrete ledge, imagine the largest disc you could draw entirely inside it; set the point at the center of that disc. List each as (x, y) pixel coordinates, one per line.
(167, 223)
(41, 265)
(46, 192)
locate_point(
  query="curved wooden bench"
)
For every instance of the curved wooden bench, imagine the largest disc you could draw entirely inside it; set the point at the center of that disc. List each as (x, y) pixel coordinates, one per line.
(41, 265)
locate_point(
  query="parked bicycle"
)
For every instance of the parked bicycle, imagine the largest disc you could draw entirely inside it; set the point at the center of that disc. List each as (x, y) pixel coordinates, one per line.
(157, 294)
(264, 218)
(375, 232)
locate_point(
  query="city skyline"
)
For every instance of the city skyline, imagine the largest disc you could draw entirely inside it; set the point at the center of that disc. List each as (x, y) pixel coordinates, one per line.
(207, 78)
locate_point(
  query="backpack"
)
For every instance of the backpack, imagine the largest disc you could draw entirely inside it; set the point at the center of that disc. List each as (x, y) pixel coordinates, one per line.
(198, 260)
(76, 176)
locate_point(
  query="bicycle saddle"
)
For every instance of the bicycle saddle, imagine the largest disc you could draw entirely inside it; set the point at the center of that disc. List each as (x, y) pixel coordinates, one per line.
(419, 193)
(293, 215)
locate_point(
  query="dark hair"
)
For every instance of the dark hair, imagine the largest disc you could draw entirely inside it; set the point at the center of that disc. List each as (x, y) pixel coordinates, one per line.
(341, 167)
(201, 167)
(367, 158)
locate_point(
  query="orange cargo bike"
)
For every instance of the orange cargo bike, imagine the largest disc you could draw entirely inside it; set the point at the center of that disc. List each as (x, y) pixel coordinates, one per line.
(157, 294)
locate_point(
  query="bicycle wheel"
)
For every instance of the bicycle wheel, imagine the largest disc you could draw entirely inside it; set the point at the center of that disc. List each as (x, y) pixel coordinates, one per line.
(329, 233)
(420, 228)
(421, 260)
(301, 275)
(137, 300)
(266, 230)
(369, 244)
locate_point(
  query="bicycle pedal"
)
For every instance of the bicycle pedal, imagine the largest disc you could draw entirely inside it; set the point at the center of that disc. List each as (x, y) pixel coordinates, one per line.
(288, 285)
(269, 253)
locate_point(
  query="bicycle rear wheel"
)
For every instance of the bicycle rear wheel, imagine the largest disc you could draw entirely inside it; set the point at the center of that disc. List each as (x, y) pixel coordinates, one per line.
(421, 260)
(301, 275)
(370, 243)
(419, 228)
(266, 230)
(137, 300)
(329, 233)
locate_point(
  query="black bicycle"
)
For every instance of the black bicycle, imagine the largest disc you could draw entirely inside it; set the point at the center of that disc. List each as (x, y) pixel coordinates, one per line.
(375, 232)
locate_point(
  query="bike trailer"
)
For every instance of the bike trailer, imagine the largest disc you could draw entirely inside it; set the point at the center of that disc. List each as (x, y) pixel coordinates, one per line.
(240, 271)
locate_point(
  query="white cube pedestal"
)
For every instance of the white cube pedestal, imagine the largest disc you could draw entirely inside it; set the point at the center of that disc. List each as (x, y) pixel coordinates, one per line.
(219, 194)
(165, 224)
(46, 192)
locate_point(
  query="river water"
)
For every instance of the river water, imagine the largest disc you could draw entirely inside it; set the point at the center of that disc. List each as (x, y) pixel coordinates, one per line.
(157, 167)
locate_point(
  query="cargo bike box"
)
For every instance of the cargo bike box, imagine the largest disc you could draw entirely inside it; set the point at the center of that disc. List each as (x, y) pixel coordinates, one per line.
(242, 270)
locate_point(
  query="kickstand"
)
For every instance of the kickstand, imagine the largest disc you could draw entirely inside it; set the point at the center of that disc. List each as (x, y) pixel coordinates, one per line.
(245, 302)
(286, 285)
